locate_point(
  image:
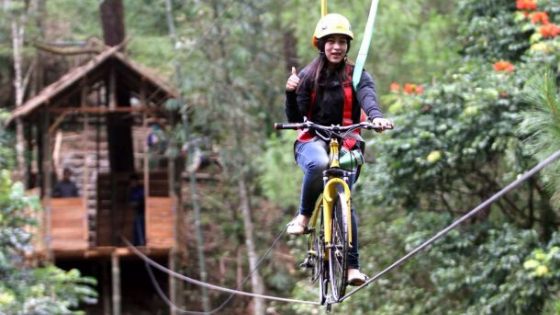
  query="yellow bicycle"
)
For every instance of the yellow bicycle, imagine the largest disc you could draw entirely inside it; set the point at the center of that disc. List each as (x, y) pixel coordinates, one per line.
(330, 228)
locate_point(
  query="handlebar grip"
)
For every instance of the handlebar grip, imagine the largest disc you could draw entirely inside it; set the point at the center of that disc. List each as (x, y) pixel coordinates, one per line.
(369, 126)
(287, 126)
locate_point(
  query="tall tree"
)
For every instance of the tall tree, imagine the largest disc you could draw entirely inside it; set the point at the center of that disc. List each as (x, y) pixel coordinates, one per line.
(193, 187)
(119, 130)
(19, 13)
(238, 122)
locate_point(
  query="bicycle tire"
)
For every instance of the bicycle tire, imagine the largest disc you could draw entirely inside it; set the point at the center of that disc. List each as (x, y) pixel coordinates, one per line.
(338, 251)
(319, 272)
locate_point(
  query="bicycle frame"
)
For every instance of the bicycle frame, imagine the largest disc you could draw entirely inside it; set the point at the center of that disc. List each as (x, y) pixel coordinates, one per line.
(327, 198)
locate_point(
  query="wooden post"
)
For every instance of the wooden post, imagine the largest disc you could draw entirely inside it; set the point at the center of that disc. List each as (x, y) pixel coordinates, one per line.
(172, 281)
(146, 172)
(173, 253)
(112, 89)
(116, 276)
(47, 180)
(106, 288)
(85, 171)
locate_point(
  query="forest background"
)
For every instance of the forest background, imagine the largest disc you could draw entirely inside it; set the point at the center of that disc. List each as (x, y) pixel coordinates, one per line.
(470, 84)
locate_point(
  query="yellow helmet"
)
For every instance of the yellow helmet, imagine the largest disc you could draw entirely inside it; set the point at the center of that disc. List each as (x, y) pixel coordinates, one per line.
(332, 23)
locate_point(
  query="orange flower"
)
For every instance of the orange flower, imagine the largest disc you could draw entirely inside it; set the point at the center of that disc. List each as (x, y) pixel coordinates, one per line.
(540, 18)
(549, 30)
(528, 5)
(395, 87)
(503, 66)
(409, 88)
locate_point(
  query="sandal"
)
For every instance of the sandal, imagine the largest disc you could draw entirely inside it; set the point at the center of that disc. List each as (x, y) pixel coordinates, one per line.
(295, 227)
(356, 278)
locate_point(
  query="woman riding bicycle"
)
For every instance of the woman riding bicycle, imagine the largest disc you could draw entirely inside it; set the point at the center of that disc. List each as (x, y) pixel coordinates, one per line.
(322, 92)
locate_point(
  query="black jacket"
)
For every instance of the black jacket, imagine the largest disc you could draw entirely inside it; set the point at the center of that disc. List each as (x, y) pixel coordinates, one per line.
(329, 104)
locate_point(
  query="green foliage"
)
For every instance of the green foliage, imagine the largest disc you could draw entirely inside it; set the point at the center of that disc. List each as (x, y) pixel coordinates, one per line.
(280, 179)
(27, 290)
(413, 42)
(69, 28)
(541, 123)
(45, 290)
(6, 143)
(154, 52)
(490, 31)
(445, 145)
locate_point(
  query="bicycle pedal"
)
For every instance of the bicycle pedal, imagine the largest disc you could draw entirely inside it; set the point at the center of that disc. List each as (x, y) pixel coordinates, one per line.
(305, 264)
(307, 231)
(308, 262)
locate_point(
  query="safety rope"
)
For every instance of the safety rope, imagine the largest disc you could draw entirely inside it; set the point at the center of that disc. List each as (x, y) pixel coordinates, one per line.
(231, 296)
(364, 47)
(376, 277)
(471, 213)
(323, 7)
(208, 285)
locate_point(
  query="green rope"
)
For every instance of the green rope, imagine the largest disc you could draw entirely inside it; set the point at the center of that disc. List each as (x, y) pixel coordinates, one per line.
(362, 54)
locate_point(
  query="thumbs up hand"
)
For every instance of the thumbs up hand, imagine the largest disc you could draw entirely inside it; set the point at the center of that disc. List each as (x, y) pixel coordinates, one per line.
(293, 81)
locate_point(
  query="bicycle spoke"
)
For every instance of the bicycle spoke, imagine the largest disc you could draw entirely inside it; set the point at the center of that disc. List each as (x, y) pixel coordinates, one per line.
(339, 248)
(316, 260)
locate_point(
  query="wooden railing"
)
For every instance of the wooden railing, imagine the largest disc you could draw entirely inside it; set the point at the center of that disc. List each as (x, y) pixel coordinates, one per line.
(159, 222)
(68, 226)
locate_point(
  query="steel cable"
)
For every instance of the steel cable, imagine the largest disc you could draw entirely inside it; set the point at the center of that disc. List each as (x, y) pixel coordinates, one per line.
(471, 213)
(176, 308)
(208, 285)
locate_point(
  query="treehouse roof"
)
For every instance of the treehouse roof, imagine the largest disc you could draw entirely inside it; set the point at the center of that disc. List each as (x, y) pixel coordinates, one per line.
(132, 75)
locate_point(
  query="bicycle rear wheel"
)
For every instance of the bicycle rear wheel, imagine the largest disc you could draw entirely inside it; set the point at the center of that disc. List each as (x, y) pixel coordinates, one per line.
(338, 251)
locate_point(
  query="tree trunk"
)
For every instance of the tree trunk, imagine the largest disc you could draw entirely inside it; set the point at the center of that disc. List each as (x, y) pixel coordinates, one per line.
(112, 21)
(192, 175)
(119, 130)
(290, 50)
(256, 280)
(199, 237)
(18, 33)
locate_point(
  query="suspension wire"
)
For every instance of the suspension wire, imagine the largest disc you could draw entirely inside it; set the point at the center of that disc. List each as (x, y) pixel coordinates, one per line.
(364, 46)
(471, 213)
(323, 7)
(231, 296)
(209, 285)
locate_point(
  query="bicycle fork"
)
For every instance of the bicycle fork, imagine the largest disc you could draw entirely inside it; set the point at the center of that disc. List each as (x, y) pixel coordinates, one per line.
(329, 197)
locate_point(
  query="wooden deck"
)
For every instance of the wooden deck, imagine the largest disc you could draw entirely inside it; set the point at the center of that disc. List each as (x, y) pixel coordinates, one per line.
(107, 251)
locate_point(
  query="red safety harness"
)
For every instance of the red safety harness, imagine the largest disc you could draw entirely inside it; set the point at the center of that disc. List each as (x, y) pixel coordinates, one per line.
(349, 142)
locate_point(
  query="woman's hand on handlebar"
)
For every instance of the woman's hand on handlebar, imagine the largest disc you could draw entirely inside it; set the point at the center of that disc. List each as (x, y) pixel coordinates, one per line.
(381, 124)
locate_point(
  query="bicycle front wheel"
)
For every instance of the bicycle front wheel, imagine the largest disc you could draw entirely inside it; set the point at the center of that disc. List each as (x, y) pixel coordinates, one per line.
(338, 251)
(319, 273)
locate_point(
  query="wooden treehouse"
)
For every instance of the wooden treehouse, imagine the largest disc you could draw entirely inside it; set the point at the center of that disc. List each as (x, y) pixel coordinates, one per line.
(95, 121)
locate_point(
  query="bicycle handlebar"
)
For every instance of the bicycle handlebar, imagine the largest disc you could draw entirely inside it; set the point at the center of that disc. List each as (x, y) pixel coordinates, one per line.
(330, 129)
(336, 130)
